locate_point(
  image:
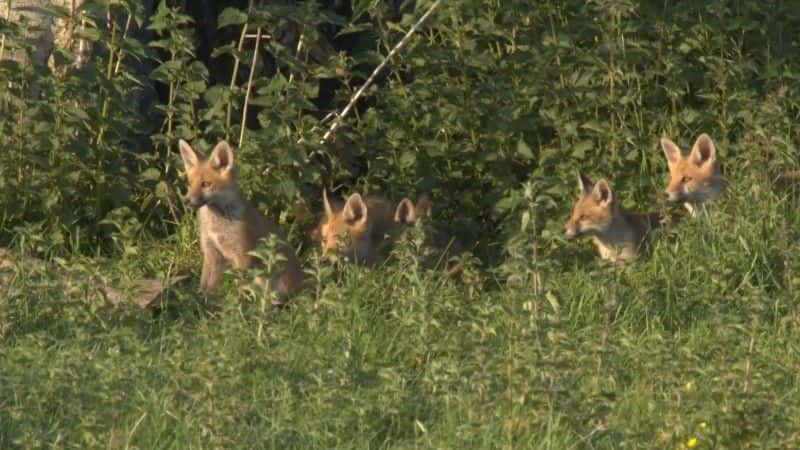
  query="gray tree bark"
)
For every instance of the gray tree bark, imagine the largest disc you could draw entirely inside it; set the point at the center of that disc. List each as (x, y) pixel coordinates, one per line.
(48, 32)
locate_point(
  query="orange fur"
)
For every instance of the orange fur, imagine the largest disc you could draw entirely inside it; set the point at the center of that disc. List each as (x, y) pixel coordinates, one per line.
(617, 234)
(694, 178)
(361, 228)
(791, 176)
(230, 226)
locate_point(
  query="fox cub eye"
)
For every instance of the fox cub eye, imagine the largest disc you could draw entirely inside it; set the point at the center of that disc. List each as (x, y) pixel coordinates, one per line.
(686, 179)
(205, 184)
(583, 217)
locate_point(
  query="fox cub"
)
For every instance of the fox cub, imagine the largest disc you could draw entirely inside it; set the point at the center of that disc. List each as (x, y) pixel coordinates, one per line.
(229, 225)
(791, 176)
(445, 248)
(617, 233)
(694, 179)
(361, 228)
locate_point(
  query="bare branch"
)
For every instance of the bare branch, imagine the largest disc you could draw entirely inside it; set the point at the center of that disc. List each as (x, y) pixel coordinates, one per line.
(250, 85)
(257, 36)
(340, 117)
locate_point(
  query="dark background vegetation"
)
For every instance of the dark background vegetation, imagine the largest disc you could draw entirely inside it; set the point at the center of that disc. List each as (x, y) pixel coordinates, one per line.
(487, 96)
(492, 107)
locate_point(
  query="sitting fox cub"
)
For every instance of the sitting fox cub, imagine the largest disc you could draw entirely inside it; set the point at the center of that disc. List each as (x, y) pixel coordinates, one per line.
(229, 225)
(444, 247)
(360, 229)
(694, 179)
(617, 233)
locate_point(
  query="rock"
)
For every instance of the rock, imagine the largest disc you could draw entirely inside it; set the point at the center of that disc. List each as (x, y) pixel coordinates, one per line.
(145, 292)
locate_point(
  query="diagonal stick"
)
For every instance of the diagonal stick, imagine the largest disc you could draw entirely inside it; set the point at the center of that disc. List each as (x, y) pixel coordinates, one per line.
(340, 117)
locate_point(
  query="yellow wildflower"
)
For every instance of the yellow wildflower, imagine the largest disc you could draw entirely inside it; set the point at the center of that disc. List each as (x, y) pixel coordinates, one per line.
(703, 425)
(692, 442)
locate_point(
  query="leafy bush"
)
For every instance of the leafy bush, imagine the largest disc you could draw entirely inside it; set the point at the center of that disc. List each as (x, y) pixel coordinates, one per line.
(487, 95)
(491, 107)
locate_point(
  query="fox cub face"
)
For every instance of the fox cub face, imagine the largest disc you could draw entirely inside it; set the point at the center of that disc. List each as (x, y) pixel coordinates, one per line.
(407, 213)
(593, 213)
(353, 227)
(694, 178)
(212, 181)
(444, 247)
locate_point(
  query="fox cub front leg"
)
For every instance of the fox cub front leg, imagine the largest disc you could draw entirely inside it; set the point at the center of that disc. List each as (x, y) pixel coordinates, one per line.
(213, 266)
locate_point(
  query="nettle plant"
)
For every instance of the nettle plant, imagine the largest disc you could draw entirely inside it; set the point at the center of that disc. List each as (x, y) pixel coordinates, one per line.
(492, 95)
(70, 124)
(88, 141)
(485, 96)
(269, 109)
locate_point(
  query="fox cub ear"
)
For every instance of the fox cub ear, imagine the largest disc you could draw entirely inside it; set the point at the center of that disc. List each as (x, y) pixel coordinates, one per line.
(584, 184)
(704, 150)
(671, 151)
(327, 204)
(355, 210)
(190, 158)
(222, 157)
(405, 212)
(424, 207)
(602, 192)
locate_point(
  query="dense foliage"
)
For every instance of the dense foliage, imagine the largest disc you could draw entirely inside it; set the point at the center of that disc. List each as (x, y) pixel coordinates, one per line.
(492, 107)
(489, 95)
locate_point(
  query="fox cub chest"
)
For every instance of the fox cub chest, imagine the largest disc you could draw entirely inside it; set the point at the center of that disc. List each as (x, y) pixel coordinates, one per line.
(230, 226)
(228, 234)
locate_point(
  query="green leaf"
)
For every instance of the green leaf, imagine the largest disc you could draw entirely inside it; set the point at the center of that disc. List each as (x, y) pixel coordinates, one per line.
(523, 150)
(227, 49)
(506, 203)
(579, 150)
(167, 71)
(526, 220)
(594, 125)
(75, 114)
(151, 174)
(57, 11)
(162, 190)
(551, 298)
(231, 16)
(407, 159)
(90, 34)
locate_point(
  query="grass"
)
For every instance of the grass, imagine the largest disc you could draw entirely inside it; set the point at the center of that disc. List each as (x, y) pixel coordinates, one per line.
(699, 345)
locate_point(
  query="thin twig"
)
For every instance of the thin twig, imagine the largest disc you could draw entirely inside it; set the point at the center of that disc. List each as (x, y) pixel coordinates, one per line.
(133, 430)
(585, 439)
(340, 117)
(333, 114)
(317, 126)
(173, 210)
(256, 36)
(536, 281)
(748, 363)
(236, 61)
(297, 52)
(121, 56)
(250, 85)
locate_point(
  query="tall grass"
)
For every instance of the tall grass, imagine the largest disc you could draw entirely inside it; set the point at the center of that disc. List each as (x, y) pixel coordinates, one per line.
(698, 341)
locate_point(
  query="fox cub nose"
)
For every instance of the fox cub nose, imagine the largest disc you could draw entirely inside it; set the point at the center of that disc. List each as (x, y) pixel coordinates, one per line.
(193, 201)
(673, 196)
